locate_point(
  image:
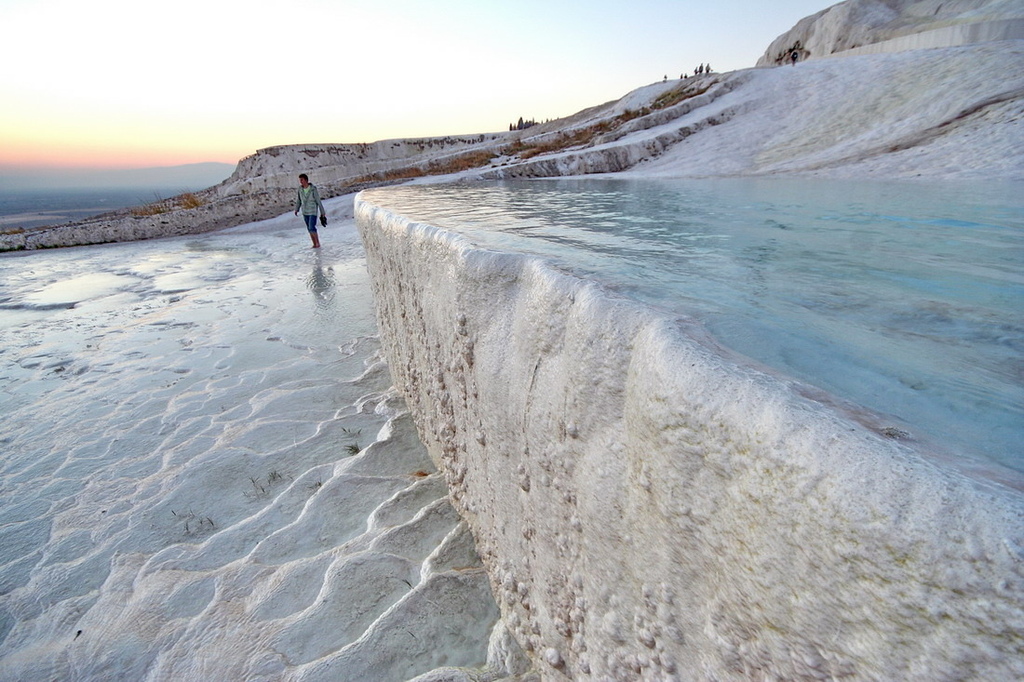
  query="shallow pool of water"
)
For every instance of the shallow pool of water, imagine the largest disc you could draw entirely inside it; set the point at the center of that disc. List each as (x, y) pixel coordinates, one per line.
(905, 298)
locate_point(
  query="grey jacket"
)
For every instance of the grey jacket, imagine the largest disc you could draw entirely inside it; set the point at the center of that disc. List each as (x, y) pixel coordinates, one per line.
(309, 201)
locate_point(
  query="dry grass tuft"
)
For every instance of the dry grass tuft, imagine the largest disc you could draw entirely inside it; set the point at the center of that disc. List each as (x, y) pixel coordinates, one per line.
(160, 206)
(156, 208)
(452, 164)
(190, 200)
(461, 162)
(683, 92)
(565, 140)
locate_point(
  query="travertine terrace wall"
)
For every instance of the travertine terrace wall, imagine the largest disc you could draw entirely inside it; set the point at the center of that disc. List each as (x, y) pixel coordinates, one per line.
(648, 510)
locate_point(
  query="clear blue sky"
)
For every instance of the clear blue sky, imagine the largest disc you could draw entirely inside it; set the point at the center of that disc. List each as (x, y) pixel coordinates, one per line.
(112, 83)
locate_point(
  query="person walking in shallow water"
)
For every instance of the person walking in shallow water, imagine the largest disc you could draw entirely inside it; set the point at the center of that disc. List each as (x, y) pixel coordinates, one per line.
(309, 203)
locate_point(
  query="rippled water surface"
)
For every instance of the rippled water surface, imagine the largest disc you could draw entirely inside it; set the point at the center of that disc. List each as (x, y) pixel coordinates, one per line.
(906, 298)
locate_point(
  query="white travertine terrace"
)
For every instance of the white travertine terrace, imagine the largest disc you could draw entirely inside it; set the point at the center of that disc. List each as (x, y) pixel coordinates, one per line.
(648, 509)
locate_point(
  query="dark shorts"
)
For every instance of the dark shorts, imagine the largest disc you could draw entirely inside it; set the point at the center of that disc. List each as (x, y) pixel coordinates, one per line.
(310, 222)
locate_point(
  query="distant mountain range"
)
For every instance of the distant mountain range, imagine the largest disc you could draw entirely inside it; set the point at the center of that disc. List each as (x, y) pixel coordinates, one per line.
(187, 177)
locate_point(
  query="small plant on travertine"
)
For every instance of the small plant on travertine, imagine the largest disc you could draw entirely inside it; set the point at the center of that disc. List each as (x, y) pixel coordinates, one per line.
(258, 489)
(894, 433)
(316, 486)
(193, 524)
(352, 448)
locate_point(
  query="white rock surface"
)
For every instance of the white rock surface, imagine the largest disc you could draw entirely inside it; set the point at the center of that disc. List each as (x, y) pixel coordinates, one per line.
(206, 474)
(857, 23)
(945, 113)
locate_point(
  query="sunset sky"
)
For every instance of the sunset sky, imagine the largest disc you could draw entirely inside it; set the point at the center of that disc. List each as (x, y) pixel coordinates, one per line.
(118, 84)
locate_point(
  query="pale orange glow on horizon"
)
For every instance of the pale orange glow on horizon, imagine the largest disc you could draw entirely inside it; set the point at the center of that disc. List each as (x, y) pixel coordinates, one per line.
(139, 147)
(104, 157)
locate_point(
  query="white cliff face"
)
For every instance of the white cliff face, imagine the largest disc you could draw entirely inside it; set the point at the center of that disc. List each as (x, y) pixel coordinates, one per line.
(345, 164)
(647, 509)
(857, 23)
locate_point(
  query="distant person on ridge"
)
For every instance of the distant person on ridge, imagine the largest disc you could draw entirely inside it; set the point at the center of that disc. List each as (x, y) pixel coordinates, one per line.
(309, 202)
